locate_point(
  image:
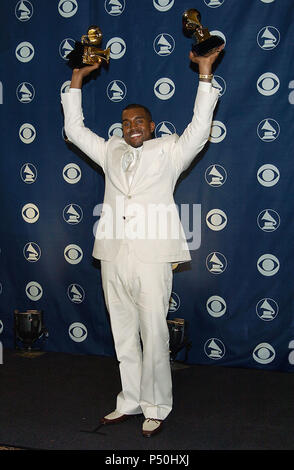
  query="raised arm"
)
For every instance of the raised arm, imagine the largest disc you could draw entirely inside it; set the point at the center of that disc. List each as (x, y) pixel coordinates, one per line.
(75, 130)
(197, 132)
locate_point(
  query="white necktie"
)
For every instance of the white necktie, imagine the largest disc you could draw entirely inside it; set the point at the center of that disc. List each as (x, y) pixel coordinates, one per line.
(129, 163)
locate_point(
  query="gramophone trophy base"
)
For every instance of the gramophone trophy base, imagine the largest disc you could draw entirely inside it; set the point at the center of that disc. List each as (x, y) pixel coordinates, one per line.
(75, 57)
(207, 47)
(82, 56)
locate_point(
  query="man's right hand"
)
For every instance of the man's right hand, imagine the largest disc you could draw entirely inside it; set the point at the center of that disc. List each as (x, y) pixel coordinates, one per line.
(78, 75)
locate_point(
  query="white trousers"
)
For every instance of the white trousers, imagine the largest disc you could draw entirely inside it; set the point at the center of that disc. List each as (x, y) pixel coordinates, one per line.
(137, 298)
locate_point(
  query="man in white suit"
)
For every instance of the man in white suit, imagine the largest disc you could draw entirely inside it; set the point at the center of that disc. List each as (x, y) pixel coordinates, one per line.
(139, 237)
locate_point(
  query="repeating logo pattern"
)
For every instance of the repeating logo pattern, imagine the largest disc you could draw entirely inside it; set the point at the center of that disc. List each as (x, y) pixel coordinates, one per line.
(114, 7)
(24, 51)
(243, 195)
(25, 92)
(24, 10)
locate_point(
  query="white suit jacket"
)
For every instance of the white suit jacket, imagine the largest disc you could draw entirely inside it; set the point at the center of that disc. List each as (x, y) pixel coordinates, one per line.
(145, 212)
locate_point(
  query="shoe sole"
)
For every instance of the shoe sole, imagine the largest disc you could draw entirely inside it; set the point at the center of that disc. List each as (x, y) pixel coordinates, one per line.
(114, 421)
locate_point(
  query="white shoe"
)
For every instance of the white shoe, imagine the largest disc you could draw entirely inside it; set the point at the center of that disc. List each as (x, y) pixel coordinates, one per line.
(114, 417)
(151, 426)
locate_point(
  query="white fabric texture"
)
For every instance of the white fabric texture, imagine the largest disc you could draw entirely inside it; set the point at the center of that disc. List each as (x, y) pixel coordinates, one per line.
(137, 297)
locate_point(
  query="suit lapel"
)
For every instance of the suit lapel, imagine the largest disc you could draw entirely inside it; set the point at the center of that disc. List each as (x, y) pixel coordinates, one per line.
(115, 171)
(149, 157)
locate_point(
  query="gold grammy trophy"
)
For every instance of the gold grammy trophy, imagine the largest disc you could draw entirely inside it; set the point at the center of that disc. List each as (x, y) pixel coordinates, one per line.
(205, 44)
(87, 52)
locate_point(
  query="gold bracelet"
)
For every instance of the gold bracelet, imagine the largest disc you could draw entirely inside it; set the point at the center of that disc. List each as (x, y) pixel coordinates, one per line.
(210, 76)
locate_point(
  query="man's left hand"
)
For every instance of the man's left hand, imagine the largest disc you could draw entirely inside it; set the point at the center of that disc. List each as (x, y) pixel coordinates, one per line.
(205, 62)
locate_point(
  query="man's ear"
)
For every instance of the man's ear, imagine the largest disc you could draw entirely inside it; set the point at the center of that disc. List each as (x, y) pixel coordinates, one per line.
(152, 126)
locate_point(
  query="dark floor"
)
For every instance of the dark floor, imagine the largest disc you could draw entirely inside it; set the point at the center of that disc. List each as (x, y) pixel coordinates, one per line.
(53, 401)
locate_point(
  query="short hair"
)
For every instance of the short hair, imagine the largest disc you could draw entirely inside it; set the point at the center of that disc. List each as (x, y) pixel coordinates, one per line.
(135, 105)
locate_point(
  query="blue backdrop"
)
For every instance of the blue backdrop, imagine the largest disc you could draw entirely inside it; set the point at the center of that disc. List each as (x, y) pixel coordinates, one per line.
(237, 293)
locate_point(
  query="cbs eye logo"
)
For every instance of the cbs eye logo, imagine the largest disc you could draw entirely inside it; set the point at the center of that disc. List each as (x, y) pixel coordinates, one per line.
(164, 88)
(264, 353)
(30, 213)
(117, 47)
(216, 219)
(216, 306)
(163, 5)
(24, 51)
(115, 129)
(218, 132)
(27, 133)
(34, 290)
(214, 3)
(268, 265)
(77, 332)
(73, 254)
(72, 173)
(268, 175)
(268, 84)
(67, 8)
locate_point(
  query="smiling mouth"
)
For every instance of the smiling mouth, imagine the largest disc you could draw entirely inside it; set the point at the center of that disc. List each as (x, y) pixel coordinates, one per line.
(135, 135)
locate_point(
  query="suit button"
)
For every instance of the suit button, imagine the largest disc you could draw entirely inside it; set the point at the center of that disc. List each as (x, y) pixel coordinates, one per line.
(124, 217)
(129, 196)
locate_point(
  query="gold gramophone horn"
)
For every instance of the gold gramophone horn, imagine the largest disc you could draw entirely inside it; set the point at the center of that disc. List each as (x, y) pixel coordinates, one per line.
(92, 40)
(86, 51)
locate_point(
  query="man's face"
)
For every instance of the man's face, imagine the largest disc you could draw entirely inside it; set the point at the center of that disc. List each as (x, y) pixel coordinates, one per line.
(136, 126)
